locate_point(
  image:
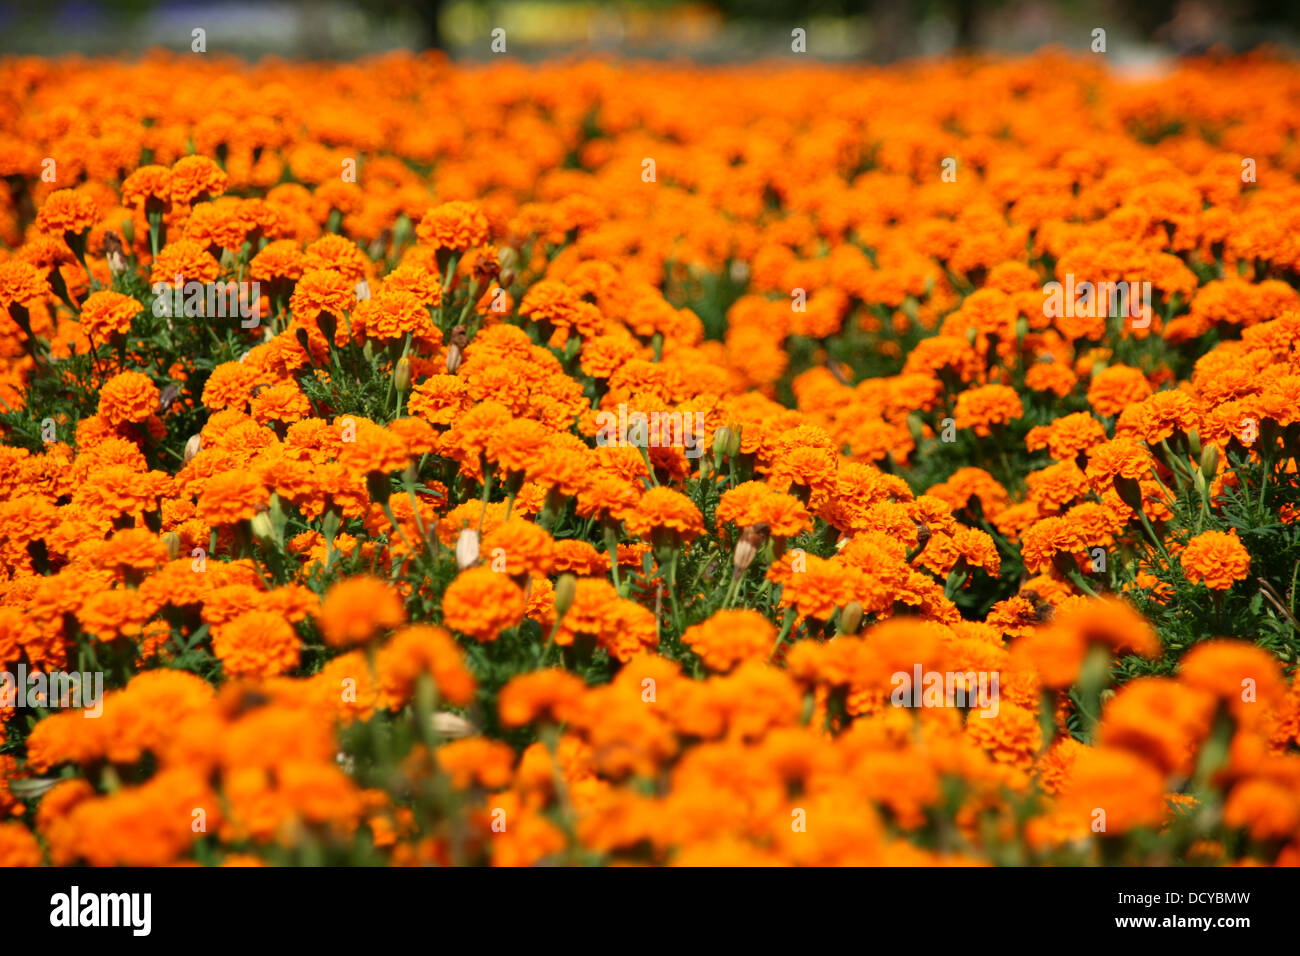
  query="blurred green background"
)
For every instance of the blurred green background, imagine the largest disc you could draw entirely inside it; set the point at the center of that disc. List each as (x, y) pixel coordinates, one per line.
(705, 30)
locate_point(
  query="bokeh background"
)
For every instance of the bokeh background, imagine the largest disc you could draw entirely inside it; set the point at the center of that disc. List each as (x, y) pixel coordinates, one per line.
(880, 31)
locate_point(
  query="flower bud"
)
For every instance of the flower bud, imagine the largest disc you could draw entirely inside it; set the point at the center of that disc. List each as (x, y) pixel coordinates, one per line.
(1130, 492)
(452, 726)
(456, 348)
(328, 324)
(467, 548)
(115, 253)
(172, 542)
(566, 586)
(262, 528)
(402, 374)
(1209, 462)
(721, 439)
(192, 448)
(751, 541)
(850, 618)
(379, 486)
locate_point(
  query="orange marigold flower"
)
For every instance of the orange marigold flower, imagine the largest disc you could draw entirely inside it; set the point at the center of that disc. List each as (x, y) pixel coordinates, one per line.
(477, 760)
(420, 649)
(1244, 676)
(128, 397)
(551, 694)
(230, 497)
(67, 211)
(186, 259)
(18, 846)
(731, 637)
(519, 547)
(1127, 789)
(108, 313)
(1116, 387)
(195, 177)
(279, 403)
(482, 603)
(665, 510)
(256, 644)
(453, 225)
(147, 182)
(987, 407)
(21, 283)
(1265, 809)
(1215, 559)
(357, 609)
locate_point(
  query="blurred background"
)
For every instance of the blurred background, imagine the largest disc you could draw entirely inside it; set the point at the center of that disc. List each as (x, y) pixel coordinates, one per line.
(878, 31)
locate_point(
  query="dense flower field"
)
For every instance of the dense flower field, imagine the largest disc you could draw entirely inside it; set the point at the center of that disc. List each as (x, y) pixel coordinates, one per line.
(625, 463)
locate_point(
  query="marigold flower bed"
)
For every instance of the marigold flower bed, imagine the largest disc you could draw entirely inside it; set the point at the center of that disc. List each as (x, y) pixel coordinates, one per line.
(642, 464)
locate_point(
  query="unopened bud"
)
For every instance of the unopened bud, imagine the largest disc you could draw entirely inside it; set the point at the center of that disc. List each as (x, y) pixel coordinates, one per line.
(506, 278)
(262, 528)
(721, 439)
(379, 486)
(850, 618)
(467, 548)
(1130, 492)
(456, 348)
(172, 542)
(751, 541)
(1209, 462)
(115, 252)
(566, 587)
(192, 448)
(452, 726)
(402, 374)
(508, 257)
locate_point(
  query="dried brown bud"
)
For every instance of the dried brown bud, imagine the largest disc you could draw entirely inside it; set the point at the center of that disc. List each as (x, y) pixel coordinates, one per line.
(452, 726)
(467, 548)
(115, 252)
(456, 348)
(751, 541)
(486, 265)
